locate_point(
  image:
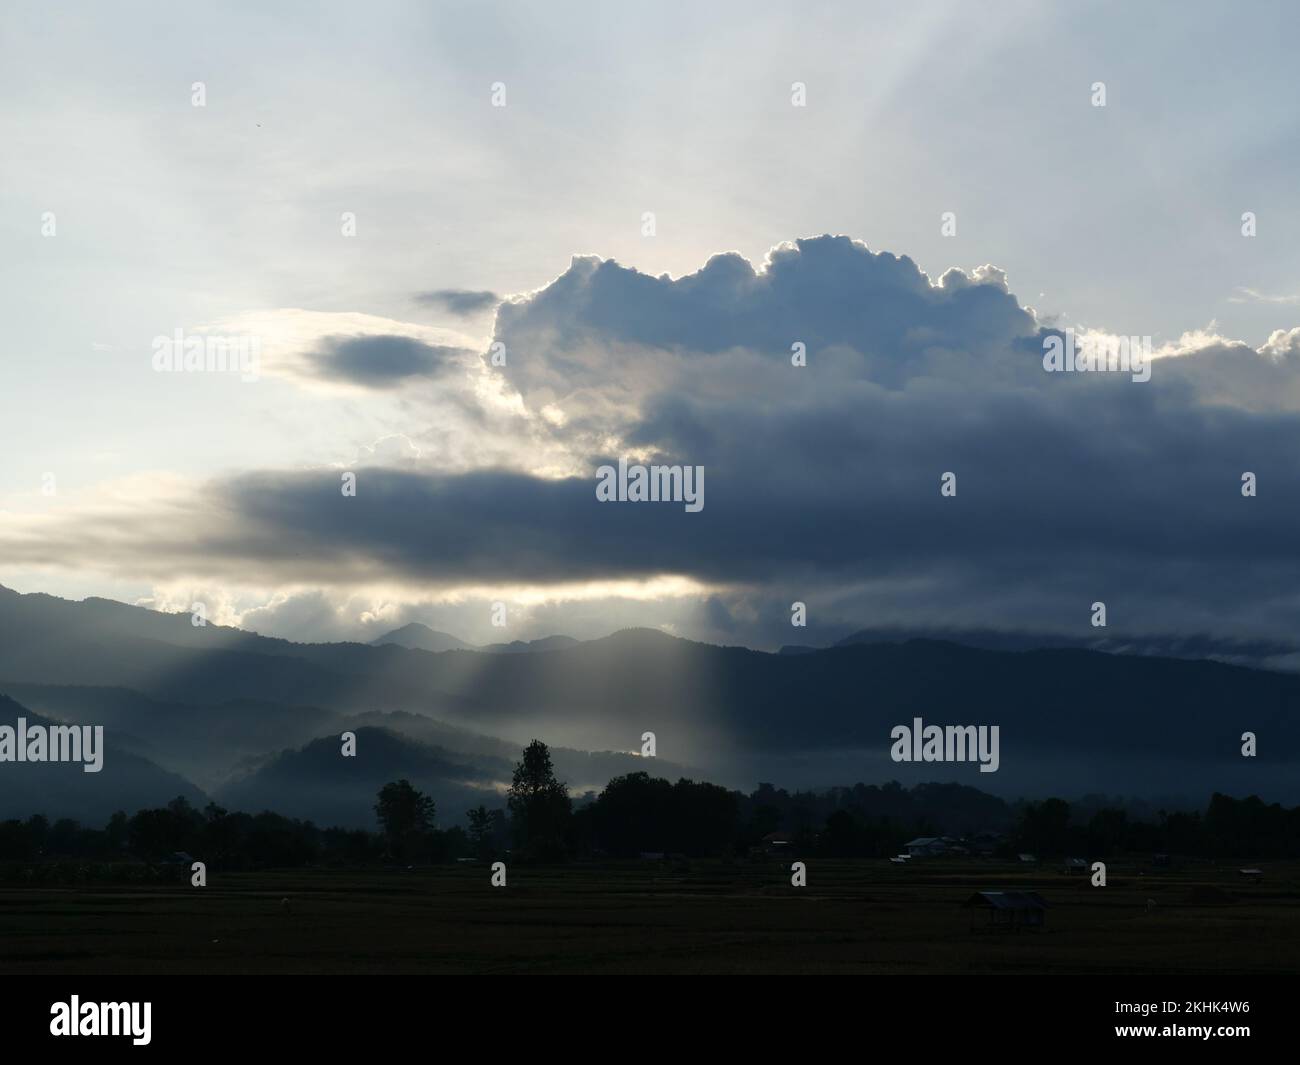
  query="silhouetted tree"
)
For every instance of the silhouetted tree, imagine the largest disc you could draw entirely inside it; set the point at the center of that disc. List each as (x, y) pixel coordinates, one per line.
(1108, 833)
(632, 814)
(480, 830)
(38, 830)
(1045, 827)
(705, 819)
(155, 834)
(539, 804)
(406, 815)
(637, 813)
(117, 831)
(842, 837)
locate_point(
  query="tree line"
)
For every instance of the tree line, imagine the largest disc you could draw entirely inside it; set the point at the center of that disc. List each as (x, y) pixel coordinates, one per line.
(638, 814)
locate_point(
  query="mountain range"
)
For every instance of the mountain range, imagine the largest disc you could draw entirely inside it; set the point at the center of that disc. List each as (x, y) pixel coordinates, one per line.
(254, 722)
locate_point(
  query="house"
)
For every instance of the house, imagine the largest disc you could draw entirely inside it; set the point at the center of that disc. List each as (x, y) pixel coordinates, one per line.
(1076, 867)
(1026, 859)
(926, 846)
(1008, 911)
(1254, 875)
(778, 843)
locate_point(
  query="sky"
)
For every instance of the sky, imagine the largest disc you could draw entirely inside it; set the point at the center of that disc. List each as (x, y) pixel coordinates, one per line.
(629, 206)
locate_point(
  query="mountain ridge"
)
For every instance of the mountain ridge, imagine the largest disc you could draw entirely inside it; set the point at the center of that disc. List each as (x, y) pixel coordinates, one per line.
(1069, 719)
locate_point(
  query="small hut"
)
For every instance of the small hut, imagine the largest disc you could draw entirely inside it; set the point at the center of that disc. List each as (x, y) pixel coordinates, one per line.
(777, 843)
(1008, 911)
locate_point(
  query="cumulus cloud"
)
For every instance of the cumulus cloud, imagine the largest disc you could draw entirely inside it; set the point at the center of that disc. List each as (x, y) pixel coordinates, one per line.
(822, 480)
(1282, 344)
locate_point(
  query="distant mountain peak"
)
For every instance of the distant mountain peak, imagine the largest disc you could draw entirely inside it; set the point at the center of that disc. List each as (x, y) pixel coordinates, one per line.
(418, 636)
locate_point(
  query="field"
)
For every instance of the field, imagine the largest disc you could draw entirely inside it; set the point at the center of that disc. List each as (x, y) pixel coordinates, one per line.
(661, 917)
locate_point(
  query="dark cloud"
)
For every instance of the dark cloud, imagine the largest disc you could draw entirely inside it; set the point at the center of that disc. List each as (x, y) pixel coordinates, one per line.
(1072, 488)
(459, 301)
(382, 361)
(822, 482)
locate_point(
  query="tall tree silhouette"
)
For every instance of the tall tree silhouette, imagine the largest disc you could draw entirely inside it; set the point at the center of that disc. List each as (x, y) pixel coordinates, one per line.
(406, 815)
(539, 804)
(480, 830)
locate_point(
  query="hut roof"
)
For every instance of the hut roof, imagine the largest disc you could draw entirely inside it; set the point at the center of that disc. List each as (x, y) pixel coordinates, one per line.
(1007, 900)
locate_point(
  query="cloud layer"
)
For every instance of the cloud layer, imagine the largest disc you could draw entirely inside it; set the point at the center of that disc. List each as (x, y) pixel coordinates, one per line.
(823, 480)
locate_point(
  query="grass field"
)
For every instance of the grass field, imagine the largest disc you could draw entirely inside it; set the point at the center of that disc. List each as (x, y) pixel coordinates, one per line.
(854, 916)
